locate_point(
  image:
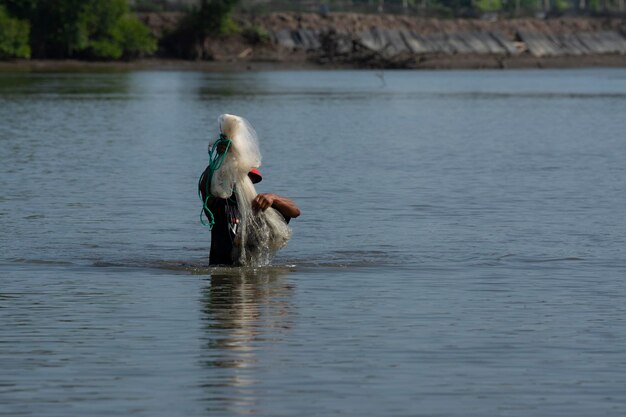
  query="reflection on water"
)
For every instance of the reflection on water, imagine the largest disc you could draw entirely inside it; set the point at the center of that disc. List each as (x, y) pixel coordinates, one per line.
(63, 85)
(244, 310)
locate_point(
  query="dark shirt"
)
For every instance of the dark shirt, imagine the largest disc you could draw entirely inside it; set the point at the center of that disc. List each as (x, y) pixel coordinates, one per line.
(224, 231)
(226, 217)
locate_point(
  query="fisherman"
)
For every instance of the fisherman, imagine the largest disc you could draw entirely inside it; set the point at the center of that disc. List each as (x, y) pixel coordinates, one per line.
(225, 212)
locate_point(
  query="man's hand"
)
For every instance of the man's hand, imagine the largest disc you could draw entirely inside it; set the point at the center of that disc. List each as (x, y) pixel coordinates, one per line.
(284, 205)
(263, 201)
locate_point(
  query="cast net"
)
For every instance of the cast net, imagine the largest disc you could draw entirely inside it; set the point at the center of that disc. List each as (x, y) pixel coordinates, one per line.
(260, 234)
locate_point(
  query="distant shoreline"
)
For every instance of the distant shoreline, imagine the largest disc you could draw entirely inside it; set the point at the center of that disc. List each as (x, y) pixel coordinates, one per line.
(310, 41)
(469, 62)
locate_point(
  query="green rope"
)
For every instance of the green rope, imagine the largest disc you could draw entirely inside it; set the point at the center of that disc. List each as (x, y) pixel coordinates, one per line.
(215, 162)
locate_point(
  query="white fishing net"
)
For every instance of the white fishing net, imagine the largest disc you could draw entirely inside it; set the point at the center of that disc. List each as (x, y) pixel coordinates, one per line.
(260, 233)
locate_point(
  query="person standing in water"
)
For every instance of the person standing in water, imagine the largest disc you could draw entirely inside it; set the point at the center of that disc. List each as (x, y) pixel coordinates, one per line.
(246, 228)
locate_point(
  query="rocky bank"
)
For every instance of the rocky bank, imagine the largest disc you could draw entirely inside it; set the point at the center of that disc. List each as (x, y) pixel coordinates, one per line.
(392, 41)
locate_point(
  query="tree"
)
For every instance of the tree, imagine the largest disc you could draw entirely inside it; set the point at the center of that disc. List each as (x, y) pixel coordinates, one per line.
(102, 29)
(115, 33)
(13, 36)
(211, 18)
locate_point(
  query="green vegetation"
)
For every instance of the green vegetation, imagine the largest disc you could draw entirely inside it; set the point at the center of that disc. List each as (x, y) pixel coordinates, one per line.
(210, 18)
(213, 17)
(488, 5)
(115, 33)
(255, 35)
(152, 6)
(109, 30)
(95, 29)
(13, 37)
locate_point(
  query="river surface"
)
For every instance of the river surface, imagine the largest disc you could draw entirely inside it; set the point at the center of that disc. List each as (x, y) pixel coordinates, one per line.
(461, 249)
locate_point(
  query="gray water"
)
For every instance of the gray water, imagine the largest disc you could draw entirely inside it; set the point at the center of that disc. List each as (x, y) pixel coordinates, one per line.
(461, 249)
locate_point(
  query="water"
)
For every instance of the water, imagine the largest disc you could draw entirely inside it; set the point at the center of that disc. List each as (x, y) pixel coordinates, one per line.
(460, 252)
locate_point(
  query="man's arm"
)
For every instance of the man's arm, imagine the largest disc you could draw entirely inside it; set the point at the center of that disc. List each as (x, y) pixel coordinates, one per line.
(284, 205)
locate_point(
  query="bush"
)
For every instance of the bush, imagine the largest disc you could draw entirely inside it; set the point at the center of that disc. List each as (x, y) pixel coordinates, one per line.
(114, 33)
(125, 38)
(488, 5)
(136, 39)
(210, 18)
(228, 26)
(255, 35)
(13, 37)
(102, 29)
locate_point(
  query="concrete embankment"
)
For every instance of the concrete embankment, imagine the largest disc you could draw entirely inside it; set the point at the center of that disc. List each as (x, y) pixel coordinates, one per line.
(401, 41)
(392, 41)
(306, 40)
